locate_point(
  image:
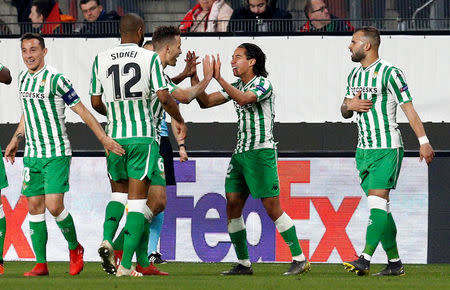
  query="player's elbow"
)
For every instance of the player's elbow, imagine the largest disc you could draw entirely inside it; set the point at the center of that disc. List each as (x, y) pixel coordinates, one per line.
(8, 80)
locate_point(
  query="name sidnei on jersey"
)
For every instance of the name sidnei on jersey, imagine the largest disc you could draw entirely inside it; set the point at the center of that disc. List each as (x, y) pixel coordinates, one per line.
(121, 54)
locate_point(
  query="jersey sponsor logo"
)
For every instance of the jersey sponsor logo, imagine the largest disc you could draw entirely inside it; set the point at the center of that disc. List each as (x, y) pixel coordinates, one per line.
(70, 97)
(31, 95)
(404, 88)
(368, 90)
(131, 54)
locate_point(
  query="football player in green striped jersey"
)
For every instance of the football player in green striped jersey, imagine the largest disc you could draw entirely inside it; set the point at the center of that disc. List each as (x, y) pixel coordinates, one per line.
(5, 77)
(253, 166)
(374, 89)
(131, 80)
(44, 93)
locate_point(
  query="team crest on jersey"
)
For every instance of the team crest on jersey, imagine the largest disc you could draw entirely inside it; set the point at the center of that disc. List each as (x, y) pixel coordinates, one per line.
(42, 83)
(375, 74)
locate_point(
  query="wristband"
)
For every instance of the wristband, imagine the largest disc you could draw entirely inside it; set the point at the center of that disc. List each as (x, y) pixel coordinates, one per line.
(423, 140)
(182, 145)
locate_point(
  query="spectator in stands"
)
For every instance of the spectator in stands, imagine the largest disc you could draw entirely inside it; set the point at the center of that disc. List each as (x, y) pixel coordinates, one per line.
(43, 14)
(260, 16)
(97, 20)
(46, 18)
(4, 29)
(320, 19)
(207, 16)
(23, 12)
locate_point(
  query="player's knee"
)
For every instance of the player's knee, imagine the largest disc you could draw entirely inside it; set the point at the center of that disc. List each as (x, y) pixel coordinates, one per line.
(55, 209)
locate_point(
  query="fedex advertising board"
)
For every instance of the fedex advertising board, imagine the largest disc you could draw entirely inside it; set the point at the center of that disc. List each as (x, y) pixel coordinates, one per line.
(321, 195)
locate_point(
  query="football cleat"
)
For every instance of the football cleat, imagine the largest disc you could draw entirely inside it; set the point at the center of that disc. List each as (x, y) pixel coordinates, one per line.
(298, 267)
(2, 269)
(360, 267)
(150, 270)
(40, 269)
(155, 258)
(392, 269)
(76, 260)
(122, 271)
(106, 253)
(239, 269)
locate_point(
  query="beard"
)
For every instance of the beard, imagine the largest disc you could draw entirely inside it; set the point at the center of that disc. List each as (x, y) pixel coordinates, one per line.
(358, 56)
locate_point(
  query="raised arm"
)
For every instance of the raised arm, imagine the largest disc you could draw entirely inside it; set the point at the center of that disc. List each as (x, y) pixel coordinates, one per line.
(242, 98)
(185, 96)
(189, 69)
(108, 143)
(426, 151)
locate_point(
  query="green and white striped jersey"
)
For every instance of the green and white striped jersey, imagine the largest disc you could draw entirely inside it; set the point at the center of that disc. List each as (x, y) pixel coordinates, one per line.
(386, 86)
(255, 121)
(44, 96)
(158, 111)
(1, 66)
(129, 77)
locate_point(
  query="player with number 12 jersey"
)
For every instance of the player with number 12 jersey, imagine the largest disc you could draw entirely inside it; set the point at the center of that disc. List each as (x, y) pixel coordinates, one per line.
(133, 76)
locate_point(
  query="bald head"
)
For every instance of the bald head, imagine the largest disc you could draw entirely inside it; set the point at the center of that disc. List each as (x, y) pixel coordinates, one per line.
(130, 24)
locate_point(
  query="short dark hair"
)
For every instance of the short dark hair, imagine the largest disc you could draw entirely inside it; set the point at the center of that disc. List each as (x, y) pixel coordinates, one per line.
(43, 7)
(372, 33)
(37, 36)
(253, 51)
(86, 1)
(164, 34)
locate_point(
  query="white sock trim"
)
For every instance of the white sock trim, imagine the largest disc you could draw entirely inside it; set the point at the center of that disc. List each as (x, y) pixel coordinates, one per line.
(388, 207)
(245, 262)
(283, 223)
(62, 216)
(119, 197)
(137, 205)
(394, 260)
(2, 213)
(377, 202)
(236, 225)
(148, 214)
(35, 218)
(299, 258)
(366, 256)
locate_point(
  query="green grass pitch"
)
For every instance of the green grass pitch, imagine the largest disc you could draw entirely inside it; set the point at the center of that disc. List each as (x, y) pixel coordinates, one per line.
(206, 276)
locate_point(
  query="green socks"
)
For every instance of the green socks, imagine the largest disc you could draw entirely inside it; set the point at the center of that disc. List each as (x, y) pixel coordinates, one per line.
(377, 223)
(286, 228)
(238, 236)
(118, 242)
(113, 215)
(38, 233)
(142, 249)
(65, 223)
(388, 240)
(133, 231)
(239, 240)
